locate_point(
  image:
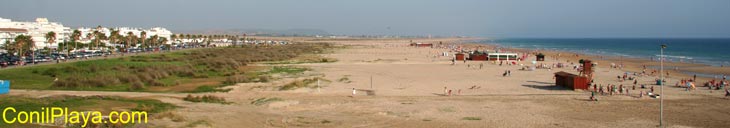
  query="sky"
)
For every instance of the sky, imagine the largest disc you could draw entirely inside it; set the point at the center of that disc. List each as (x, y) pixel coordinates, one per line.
(482, 18)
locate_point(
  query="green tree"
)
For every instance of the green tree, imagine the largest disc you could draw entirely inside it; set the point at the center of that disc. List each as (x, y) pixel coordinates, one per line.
(24, 42)
(130, 38)
(143, 35)
(153, 41)
(75, 36)
(114, 36)
(173, 37)
(50, 38)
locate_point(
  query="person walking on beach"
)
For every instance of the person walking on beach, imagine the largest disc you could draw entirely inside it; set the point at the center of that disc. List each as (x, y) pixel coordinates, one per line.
(509, 73)
(641, 94)
(481, 65)
(633, 87)
(694, 78)
(621, 86)
(594, 88)
(620, 90)
(651, 89)
(610, 90)
(446, 91)
(601, 90)
(354, 91)
(593, 96)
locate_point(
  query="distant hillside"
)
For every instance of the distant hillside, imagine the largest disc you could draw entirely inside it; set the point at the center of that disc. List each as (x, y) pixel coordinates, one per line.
(265, 32)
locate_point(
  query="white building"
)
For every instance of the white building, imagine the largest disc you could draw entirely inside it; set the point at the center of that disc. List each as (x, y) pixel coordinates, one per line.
(159, 31)
(37, 30)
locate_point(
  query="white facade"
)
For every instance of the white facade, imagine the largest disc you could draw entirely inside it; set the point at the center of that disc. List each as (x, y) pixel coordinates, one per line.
(159, 31)
(42, 26)
(37, 30)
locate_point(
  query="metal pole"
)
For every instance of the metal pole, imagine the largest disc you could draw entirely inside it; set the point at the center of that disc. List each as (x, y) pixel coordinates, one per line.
(661, 89)
(318, 85)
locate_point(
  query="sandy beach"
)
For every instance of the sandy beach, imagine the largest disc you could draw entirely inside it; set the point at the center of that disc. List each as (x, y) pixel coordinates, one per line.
(402, 86)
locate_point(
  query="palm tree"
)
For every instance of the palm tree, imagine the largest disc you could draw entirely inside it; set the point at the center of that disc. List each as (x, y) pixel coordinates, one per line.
(88, 37)
(75, 36)
(153, 41)
(163, 41)
(172, 37)
(143, 35)
(130, 38)
(23, 41)
(114, 36)
(50, 38)
(97, 37)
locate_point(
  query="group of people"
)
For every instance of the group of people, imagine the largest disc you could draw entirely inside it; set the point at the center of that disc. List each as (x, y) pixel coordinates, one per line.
(626, 77)
(507, 73)
(619, 90)
(612, 89)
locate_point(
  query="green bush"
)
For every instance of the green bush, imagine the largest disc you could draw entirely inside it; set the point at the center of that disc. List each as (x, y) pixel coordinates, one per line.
(206, 99)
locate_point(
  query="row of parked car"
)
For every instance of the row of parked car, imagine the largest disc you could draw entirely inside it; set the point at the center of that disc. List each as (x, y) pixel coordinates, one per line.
(8, 60)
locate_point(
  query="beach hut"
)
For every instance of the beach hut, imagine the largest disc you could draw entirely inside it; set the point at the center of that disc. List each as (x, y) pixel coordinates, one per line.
(540, 57)
(460, 56)
(570, 80)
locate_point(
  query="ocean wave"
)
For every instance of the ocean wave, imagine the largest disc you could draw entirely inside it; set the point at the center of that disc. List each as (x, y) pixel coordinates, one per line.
(678, 57)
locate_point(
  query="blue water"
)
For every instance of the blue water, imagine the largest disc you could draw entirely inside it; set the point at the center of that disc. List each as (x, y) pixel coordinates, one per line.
(711, 51)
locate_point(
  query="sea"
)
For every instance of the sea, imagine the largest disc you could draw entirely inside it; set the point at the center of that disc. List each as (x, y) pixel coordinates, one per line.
(710, 51)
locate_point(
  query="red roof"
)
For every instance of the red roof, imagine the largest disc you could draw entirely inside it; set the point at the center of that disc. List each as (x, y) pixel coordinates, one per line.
(17, 30)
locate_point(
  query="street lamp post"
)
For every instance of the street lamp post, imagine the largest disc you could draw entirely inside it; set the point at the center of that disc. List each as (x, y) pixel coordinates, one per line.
(661, 83)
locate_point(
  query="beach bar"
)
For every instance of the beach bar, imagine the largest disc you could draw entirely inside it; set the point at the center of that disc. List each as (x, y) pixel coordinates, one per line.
(478, 57)
(571, 80)
(502, 56)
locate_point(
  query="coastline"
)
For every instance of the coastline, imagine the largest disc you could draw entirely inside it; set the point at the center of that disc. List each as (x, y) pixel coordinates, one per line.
(404, 86)
(704, 72)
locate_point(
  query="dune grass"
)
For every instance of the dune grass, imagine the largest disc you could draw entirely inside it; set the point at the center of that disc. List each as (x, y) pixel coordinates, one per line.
(471, 118)
(206, 99)
(263, 101)
(138, 73)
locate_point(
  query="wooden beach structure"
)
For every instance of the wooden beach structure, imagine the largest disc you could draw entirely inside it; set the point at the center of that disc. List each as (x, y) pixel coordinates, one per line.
(478, 56)
(502, 56)
(460, 56)
(540, 57)
(571, 80)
